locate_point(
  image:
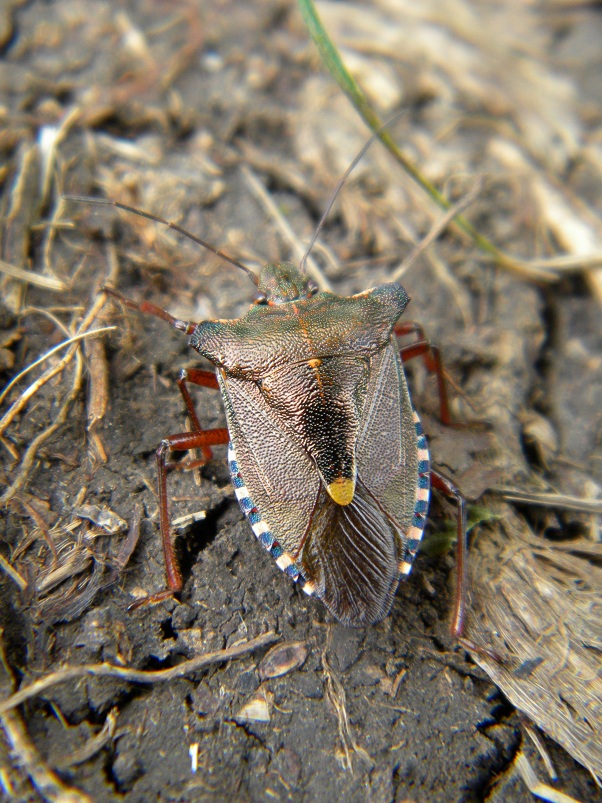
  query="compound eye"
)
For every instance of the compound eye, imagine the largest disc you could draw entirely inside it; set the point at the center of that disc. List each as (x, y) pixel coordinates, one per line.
(260, 297)
(312, 287)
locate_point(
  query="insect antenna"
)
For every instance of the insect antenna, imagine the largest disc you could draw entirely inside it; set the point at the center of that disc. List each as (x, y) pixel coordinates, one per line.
(107, 202)
(339, 186)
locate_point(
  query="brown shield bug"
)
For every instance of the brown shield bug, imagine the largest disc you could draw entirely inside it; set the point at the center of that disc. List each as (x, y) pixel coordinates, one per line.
(327, 456)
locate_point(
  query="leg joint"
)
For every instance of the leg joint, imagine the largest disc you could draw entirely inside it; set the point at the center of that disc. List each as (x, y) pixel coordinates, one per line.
(163, 449)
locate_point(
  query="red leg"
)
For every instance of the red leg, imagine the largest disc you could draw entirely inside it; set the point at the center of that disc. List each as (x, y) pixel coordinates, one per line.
(410, 328)
(446, 486)
(181, 442)
(205, 379)
(434, 364)
(197, 439)
(432, 360)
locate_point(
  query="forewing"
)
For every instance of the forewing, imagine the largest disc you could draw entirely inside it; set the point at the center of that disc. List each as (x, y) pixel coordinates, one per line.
(386, 449)
(280, 479)
(349, 555)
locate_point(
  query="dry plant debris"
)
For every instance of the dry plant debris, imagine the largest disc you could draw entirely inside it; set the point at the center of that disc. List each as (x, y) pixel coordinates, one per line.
(542, 611)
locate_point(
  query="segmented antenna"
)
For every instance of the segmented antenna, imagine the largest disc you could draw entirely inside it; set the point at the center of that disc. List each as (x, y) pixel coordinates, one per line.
(339, 186)
(107, 202)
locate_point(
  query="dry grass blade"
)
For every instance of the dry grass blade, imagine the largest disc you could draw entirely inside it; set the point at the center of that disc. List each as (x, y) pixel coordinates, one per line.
(535, 786)
(336, 66)
(577, 234)
(336, 694)
(46, 282)
(17, 578)
(568, 263)
(551, 500)
(72, 351)
(538, 603)
(31, 451)
(535, 737)
(95, 744)
(41, 525)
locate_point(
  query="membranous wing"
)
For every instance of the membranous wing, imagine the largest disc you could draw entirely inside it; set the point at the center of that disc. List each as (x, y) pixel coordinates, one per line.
(351, 557)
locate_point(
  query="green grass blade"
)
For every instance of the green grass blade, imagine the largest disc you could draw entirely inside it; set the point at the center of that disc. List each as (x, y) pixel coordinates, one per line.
(334, 64)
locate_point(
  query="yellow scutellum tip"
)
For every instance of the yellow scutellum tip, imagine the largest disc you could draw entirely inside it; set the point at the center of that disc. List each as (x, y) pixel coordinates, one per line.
(341, 491)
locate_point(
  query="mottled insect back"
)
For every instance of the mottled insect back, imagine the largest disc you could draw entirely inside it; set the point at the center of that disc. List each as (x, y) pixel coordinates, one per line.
(327, 456)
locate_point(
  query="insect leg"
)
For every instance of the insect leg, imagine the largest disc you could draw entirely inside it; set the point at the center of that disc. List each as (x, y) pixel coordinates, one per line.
(446, 486)
(432, 360)
(185, 441)
(205, 379)
(180, 442)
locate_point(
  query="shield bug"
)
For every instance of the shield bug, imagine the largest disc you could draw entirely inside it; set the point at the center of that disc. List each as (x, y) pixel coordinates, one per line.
(326, 453)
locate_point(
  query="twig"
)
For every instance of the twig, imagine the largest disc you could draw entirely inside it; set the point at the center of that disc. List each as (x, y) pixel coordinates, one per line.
(32, 449)
(48, 783)
(98, 397)
(94, 350)
(136, 675)
(24, 753)
(41, 381)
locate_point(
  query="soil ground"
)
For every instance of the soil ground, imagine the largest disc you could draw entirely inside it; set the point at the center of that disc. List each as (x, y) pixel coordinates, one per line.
(170, 106)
